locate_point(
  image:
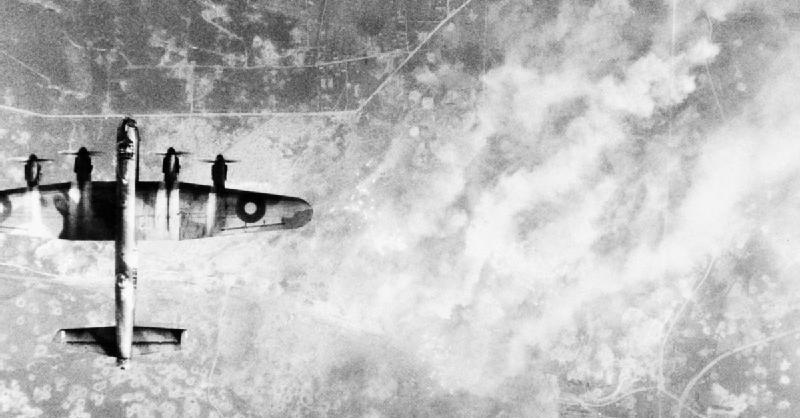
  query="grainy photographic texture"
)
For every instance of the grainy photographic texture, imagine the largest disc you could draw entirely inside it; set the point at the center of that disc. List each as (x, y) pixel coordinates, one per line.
(521, 208)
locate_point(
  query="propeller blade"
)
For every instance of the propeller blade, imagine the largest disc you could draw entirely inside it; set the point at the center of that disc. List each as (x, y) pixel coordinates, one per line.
(26, 159)
(213, 161)
(71, 152)
(176, 153)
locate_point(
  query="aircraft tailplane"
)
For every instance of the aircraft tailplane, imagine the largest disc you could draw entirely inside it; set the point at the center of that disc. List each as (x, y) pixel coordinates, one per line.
(103, 340)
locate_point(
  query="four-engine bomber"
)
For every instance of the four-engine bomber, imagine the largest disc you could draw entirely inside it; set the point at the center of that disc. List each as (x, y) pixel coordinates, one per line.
(128, 210)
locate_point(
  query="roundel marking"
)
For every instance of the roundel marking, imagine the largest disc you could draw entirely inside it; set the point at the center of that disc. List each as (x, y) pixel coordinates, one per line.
(250, 207)
(5, 208)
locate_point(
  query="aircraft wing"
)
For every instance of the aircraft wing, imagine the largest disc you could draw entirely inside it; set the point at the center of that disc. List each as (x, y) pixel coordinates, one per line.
(187, 212)
(50, 211)
(197, 211)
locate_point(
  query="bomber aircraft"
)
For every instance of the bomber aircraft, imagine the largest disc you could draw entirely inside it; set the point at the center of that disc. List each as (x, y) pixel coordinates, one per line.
(128, 210)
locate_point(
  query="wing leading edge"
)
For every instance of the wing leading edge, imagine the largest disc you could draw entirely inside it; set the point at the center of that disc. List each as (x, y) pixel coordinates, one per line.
(188, 211)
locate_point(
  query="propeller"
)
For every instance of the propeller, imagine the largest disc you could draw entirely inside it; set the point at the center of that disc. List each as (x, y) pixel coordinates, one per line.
(32, 157)
(73, 152)
(176, 153)
(220, 157)
(172, 151)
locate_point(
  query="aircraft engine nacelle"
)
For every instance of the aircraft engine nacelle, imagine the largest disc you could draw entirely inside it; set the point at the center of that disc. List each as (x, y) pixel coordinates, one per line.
(171, 166)
(83, 169)
(219, 171)
(83, 164)
(33, 172)
(33, 169)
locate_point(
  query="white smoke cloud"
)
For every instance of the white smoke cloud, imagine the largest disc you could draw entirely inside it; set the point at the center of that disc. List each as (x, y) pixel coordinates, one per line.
(547, 237)
(546, 233)
(556, 257)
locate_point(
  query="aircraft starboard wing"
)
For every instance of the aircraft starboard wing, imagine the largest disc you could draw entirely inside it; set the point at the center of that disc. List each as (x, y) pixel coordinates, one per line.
(198, 211)
(189, 211)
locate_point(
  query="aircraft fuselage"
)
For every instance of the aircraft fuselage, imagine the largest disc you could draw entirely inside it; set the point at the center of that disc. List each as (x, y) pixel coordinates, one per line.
(125, 239)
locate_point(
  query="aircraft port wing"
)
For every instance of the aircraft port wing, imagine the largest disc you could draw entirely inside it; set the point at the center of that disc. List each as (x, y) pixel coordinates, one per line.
(58, 211)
